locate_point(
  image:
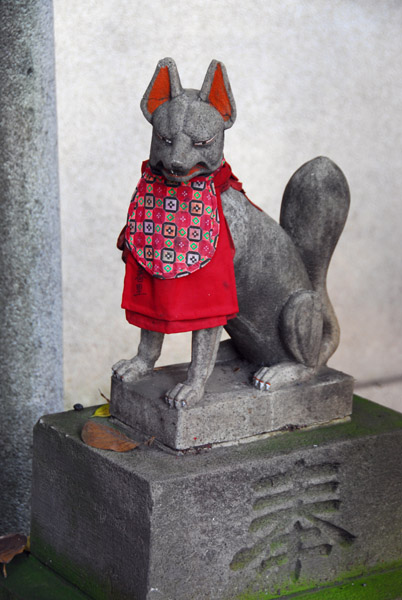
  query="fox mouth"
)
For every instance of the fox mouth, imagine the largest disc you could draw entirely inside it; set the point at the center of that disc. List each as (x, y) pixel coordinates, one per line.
(180, 175)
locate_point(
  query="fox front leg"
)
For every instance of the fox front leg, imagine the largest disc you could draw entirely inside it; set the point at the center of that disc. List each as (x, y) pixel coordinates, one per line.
(149, 351)
(205, 344)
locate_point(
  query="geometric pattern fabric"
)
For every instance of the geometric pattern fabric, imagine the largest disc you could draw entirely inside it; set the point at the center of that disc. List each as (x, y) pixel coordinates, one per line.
(173, 228)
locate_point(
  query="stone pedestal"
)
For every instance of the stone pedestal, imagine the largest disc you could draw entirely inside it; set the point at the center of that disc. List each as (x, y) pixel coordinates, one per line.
(231, 409)
(290, 512)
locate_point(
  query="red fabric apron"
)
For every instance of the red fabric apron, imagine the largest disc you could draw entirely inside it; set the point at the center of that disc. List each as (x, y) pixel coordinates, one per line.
(203, 299)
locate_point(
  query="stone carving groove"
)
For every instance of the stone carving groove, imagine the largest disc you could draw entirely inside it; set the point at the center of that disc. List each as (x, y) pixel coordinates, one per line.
(293, 519)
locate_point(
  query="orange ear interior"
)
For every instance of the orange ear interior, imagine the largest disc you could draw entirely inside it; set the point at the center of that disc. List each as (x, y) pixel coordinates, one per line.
(160, 91)
(218, 96)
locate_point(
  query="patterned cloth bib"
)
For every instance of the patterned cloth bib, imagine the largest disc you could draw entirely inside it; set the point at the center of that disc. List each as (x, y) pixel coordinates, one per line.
(173, 229)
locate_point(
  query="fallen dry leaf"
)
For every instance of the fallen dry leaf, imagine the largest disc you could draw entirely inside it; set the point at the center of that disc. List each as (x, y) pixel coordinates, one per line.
(150, 441)
(104, 437)
(11, 545)
(102, 411)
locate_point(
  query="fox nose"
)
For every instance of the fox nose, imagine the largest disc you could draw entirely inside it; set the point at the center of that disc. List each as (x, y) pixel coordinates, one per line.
(177, 167)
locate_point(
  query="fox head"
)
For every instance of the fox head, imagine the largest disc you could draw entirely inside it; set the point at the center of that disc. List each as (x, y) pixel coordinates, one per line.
(188, 125)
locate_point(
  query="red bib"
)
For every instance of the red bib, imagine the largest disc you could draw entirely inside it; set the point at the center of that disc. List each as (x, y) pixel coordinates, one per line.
(171, 301)
(173, 230)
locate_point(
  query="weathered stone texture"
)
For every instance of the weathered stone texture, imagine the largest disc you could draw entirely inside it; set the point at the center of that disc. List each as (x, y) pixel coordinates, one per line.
(30, 277)
(300, 508)
(231, 408)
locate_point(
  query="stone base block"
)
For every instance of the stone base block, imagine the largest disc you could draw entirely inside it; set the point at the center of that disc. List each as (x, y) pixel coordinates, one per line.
(290, 512)
(231, 409)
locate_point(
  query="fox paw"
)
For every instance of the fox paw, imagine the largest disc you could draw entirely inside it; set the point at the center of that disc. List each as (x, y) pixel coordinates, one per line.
(261, 379)
(183, 395)
(280, 375)
(130, 370)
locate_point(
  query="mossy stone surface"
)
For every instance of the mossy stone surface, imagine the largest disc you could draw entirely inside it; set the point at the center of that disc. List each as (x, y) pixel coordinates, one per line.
(372, 586)
(28, 579)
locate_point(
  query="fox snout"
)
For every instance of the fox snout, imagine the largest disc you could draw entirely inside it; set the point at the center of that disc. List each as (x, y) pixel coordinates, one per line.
(178, 168)
(174, 154)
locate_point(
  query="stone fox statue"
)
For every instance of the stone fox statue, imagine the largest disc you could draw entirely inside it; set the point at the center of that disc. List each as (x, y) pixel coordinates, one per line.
(190, 225)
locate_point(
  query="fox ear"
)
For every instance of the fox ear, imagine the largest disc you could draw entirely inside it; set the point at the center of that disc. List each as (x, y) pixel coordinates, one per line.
(217, 91)
(165, 84)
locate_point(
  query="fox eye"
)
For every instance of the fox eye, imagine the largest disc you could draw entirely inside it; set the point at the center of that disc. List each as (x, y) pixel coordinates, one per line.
(205, 142)
(163, 138)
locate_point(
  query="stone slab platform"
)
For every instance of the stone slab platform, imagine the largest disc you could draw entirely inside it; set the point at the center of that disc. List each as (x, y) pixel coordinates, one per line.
(291, 512)
(231, 409)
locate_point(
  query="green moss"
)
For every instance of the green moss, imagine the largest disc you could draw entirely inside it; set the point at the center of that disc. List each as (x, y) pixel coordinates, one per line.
(381, 583)
(275, 545)
(69, 570)
(261, 522)
(273, 561)
(244, 557)
(368, 418)
(28, 579)
(282, 561)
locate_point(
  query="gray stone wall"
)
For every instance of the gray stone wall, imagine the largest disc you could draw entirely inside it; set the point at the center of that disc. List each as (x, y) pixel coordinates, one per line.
(30, 280)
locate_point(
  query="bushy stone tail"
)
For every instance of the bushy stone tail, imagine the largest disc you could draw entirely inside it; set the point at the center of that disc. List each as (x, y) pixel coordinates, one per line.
(314, 209)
